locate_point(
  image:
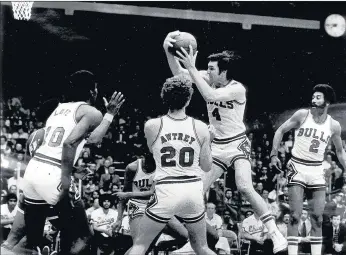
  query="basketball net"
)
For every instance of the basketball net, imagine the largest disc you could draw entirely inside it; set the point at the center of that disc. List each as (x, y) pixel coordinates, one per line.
(22, 10)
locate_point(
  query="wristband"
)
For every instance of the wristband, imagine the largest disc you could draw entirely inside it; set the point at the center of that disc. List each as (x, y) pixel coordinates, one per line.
(108, 117)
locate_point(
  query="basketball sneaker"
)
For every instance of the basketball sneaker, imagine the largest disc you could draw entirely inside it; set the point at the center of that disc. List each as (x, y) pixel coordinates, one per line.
(279, 242)
(185, 250)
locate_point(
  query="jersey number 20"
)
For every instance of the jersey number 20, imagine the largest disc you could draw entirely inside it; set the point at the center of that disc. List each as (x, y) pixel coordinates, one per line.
(55, 136)
(186, 156)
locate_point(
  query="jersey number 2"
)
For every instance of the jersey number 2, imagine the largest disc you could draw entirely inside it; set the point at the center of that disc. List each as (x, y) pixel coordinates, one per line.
(186, 156)
(216, 114)
(55, 137)
(314, 146)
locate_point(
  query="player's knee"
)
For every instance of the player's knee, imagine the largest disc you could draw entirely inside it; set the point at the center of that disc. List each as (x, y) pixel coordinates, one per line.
(245, 190)
(316, 219)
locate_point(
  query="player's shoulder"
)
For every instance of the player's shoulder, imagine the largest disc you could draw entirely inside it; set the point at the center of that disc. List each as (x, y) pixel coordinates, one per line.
(152, 123)
(300, 114)
(335, 125)
(132, 166)
(89, 111)
(200, 125)
(240, 86)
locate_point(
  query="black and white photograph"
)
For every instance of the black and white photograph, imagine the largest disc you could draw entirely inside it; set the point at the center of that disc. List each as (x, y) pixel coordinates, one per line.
(173, 127)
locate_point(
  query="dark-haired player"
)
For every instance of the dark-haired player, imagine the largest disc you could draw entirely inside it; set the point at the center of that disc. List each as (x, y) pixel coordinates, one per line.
(226, 101)
(47, 177)
(181, 149)
(314, 129)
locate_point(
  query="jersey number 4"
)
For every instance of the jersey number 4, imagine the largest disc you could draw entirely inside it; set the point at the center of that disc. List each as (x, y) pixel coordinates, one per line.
(186, 156)
(216, 114)
(55, 137)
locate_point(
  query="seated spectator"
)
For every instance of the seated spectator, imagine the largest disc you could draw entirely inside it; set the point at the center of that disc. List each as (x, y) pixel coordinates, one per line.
(282, 223)
(231, 205)
(8, 212)
(13, 189)
(334, 207)
(283, 198)
(337, 180)
(253, 230)
(22, 134)
(334, 235)
(102, 220)
(304, 231)
(280, 179)
(96, 205)
(3, 143)
(108, 179)
(259, 188)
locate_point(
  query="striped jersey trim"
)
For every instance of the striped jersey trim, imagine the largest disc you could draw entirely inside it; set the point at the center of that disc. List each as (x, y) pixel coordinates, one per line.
(174, 181)
(156, 217)
(193, 219)
(142, 201)
(195, 131)
(228, 140)
(306, 162)
(220, 164)
(47, 158)
(158, 134)
(35, 201)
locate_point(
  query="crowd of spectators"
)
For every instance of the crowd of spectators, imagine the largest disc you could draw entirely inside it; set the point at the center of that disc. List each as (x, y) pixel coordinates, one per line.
(125, 142)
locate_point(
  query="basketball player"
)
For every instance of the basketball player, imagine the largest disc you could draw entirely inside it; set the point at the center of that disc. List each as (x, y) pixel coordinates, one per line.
(181, 149)
(48, 174)
(226, 100)
(314, 129)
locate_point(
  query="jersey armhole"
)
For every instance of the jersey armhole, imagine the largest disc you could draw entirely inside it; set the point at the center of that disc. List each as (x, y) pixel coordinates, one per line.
(304, 119)
(75, 112)
(158, 133)
(194, 130)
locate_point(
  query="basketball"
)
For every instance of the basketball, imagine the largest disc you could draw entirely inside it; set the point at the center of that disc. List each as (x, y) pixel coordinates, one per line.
(183, 40)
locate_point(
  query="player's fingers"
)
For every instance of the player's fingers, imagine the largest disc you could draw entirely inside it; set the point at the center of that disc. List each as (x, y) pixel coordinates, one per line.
(180, 55)
(116, 99)
(121, 103)
(39, 250)
(170, 39)
(54, 253)
(184, 51)
(45, 250)
(114, 95)
(195, 56)
(191, 50)
(120, 97)
(169, 44)
(105, 101)
(174, 33)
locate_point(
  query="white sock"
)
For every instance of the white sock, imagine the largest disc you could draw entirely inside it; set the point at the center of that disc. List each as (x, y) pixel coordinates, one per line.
(292, 245)
(316, 245)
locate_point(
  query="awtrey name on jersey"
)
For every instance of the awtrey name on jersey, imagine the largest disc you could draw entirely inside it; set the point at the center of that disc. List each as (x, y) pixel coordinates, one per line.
(177, 136)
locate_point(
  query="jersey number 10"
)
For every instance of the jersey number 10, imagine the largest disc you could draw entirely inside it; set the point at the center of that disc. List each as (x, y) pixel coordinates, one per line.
(55, 137)
(186, 156)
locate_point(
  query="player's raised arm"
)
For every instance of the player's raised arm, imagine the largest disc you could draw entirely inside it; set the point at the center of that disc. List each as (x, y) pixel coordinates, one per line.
(205, 159)
(89, 118)
(336, 138)
(174, 64)
(228, 93)
(113, 107)
(294, 122)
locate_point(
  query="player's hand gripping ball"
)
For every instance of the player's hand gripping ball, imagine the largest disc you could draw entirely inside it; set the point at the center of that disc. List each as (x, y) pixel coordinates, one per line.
(183, 39)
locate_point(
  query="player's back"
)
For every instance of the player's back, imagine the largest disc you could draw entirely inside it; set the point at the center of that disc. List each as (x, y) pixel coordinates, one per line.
(311, 139)
(176, 149)
(227, 117)
(58, 127)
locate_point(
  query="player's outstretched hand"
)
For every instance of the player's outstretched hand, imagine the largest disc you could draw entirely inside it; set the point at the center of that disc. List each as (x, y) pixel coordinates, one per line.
(188, 59)
(170, 39)
(114, 103)
(122, 195)
(45, 251)
(275, 161)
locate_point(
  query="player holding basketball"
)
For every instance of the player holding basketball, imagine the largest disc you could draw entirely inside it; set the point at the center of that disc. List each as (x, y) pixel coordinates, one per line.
(48, 174)
(181, 149)
(314, 129)
(226, 100)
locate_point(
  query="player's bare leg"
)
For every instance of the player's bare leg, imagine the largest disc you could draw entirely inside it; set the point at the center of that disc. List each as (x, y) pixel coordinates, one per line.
(210, 177)
(134, 226)
(147, 231)
(243, 179)
(296, 195)
(198, 237)
(17, 232)
(316, 205)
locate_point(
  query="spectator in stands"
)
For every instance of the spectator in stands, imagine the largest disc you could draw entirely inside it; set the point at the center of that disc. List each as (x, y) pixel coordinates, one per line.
(22, 134)
(304, 230)
(231, 205)
(8, 211)
(212, 218)
(334, 235)
(12, 189)
(289, 143)
(3, 143)
(96, 205)
(102, 220)
(259, 188)
(334, 207)
(337, 180)
(108, 179)
(282, 223)
(253, 230)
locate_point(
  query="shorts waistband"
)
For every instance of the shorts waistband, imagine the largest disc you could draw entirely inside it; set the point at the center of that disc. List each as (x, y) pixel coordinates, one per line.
(306, 162)
(229, 139)
(48, 160)
(178, 179)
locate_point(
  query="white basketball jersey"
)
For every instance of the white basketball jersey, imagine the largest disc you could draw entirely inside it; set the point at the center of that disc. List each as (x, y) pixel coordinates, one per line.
(176, 149)
(58, 127)
(227, 116)
(142, 181)
(311, 139)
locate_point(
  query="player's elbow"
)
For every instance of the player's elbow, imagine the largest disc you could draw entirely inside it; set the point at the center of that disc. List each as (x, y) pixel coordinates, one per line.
(94, 140)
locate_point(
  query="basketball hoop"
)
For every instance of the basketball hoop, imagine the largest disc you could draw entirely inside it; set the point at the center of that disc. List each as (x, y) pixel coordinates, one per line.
(22, 10)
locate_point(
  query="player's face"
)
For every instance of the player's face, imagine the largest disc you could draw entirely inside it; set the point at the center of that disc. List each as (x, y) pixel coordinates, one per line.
(318, 101)
(213, 72)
